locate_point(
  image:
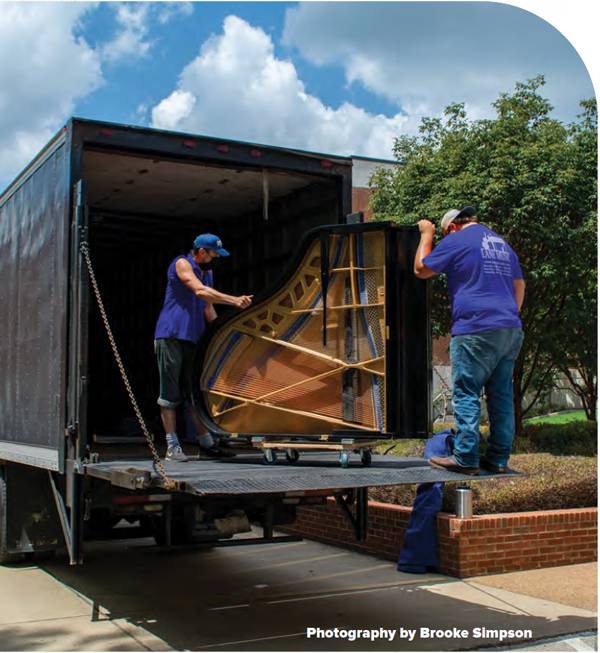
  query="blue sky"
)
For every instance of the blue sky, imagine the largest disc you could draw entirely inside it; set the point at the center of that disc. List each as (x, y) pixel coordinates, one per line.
(337, 77)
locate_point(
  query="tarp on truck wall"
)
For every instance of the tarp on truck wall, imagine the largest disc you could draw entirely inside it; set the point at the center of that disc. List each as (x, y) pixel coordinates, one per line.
(33, 304)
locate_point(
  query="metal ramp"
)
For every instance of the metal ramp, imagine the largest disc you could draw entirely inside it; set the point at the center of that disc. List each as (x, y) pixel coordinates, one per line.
(246, 474)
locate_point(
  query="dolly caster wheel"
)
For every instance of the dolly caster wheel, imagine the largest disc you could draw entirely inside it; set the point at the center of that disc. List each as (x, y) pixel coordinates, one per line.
(344, 458)
(366, 457)
(270, 457)
(292, 456)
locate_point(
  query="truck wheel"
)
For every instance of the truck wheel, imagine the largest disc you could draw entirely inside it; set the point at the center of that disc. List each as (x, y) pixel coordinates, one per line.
(6, 557)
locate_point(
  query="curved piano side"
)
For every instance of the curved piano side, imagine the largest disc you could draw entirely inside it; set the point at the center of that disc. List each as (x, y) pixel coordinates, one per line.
(268, 371)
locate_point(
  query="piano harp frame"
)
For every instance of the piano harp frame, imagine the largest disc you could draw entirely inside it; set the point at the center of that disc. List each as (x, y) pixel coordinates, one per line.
(404, 367)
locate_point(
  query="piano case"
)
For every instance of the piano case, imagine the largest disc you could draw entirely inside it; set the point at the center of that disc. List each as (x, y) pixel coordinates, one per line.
(337, 355)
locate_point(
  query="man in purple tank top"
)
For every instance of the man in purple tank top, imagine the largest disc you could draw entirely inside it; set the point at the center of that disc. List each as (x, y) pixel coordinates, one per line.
(486, 291)
(188, 306)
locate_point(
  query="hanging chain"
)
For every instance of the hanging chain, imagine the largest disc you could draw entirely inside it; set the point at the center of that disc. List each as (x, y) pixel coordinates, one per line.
(169, 484)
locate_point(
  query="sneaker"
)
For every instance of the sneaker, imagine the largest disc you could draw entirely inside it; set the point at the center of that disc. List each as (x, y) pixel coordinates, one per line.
(484, 463)
(207, 453)
(176, 455)
(450, 465)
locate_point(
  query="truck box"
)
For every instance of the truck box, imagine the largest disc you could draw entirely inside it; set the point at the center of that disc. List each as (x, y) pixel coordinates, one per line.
(137, 198)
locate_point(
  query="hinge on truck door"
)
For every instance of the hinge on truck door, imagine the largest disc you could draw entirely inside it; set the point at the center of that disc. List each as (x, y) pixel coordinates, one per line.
(72, 430)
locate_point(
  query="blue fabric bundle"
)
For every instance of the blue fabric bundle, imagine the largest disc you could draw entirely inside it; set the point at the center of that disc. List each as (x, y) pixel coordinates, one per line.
(419, 552)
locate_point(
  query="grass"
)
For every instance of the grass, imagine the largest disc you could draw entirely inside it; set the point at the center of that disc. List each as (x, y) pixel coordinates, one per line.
(559, 418)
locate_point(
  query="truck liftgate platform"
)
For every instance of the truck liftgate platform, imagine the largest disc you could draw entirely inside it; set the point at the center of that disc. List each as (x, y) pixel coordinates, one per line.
(246, 474)
(316, 476)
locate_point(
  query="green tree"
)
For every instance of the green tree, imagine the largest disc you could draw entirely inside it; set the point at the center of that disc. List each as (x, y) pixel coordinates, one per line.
(579, 329)
(522, 171)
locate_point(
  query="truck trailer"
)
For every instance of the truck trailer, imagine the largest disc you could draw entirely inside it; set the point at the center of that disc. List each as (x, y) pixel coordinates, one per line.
(87, 232)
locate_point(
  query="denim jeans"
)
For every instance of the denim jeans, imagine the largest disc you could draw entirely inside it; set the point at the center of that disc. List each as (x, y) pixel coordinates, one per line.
(481, 361)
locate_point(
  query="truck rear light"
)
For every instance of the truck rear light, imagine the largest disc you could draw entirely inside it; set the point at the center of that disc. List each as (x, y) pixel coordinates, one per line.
(223, 148)
(255, 153)
(191, 144)
(106, 132)
(326, 164)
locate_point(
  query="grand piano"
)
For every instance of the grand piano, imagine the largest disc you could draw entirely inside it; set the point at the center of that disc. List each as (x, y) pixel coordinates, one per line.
(336, 355)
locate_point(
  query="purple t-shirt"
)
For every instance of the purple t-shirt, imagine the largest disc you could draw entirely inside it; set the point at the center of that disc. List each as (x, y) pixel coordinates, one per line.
(480, 268)
(182, 315)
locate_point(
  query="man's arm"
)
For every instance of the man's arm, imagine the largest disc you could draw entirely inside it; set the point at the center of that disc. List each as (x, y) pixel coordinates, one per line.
(427, 230)
(186, 274)
(519, 292)
(209, 313)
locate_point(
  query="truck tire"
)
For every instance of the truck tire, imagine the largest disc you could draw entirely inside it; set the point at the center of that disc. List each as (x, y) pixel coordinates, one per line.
(6, 557)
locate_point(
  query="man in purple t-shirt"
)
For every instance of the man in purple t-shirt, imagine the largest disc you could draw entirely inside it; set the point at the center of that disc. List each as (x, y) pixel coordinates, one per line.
(486, 291)
(188, 306)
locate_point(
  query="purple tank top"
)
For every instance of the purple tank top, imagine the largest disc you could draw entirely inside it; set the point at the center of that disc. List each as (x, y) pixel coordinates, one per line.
(182, 315)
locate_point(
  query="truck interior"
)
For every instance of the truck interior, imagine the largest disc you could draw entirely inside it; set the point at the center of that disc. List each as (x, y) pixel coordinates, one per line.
(143, 212)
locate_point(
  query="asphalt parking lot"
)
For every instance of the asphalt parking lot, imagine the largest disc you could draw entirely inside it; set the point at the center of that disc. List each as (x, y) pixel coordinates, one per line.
(130, 595)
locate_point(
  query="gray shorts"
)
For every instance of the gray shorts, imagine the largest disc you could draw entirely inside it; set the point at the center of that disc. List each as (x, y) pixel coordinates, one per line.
(175, 366)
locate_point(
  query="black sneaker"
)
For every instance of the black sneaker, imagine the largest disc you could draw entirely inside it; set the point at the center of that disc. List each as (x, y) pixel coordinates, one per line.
(484, 463)
(208, 453)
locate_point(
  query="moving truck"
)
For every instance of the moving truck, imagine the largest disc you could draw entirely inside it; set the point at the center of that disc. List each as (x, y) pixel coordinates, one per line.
(74, 459)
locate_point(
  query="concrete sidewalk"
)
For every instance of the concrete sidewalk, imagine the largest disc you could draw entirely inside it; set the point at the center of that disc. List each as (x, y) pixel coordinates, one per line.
(131, 596)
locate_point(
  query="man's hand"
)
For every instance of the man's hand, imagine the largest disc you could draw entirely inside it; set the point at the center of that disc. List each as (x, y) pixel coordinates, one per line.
(243, 301)
(426, 227)
(427, 230)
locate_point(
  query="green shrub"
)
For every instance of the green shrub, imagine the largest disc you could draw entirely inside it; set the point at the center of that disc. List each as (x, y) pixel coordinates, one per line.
(549, 483)
(567, 439)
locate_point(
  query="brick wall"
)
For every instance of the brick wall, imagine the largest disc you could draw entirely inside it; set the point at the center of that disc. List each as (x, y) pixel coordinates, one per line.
(487, 544)
(360, 201)
(494, 544)
(386, 528)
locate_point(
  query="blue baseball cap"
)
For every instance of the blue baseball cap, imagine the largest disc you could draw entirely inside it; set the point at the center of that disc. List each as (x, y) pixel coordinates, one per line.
(209, 241)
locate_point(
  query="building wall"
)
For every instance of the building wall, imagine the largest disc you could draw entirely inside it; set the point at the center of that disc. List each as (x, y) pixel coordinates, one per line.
(362, 170)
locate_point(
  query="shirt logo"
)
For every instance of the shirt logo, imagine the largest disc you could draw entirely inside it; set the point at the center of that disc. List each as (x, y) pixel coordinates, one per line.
(494, 247)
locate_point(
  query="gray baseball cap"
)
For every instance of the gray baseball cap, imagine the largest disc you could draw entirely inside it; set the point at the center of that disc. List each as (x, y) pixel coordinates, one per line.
(454, 213)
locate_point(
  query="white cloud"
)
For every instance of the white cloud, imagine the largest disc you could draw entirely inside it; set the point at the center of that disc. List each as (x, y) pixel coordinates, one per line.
(169, 10)
(237, 88)
(46, 68)
(173, 109)
(440, 52)
(129, 41)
